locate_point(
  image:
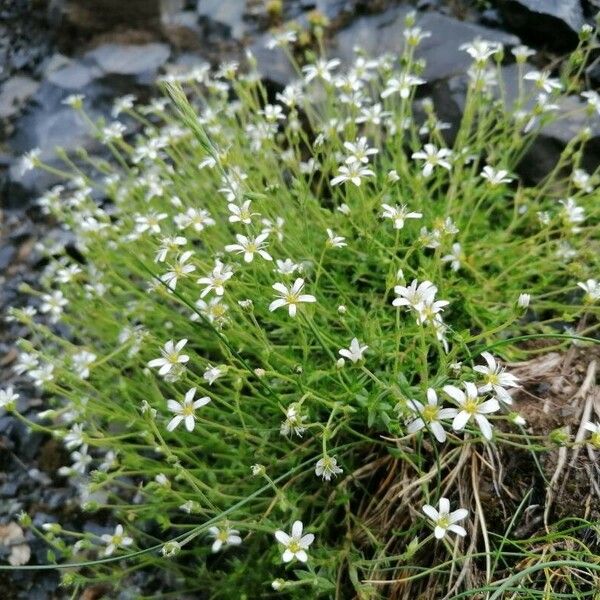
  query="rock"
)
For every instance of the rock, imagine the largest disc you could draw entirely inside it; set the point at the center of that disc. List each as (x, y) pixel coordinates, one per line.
(553, 138)
(93, 16)
(74, 76)
(7, 253)
(228, 15)
(14, 94)
(551, 23)
(381, 33)
(130, 59)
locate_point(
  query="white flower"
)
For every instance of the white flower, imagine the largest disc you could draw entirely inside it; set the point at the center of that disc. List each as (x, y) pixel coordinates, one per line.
(470, 406)
(274, 227)
(415, 295)
(335, 241)
(359, 151)
(321, 69)
(294, 421)
(8, 398)
(353, 172)
(171, 357)
(524, 300)
(295, 544)
(398, 214)
(327, 468)
(591, 287)
(572, 213)
(224, 536)
(53, 304)
(433, 158)
(522, 53)
(355, 352)
(241, 214)
(495, 177)
(444, 520)
(593, 99)
(117, 540)
(594, 428)
(455, 257)
(543, 81)
(287, 266)
(480, 50)
(186, 410)
(249, 246)
(281, 39)
(582, 180)
(402, 85)
(168, 244)
(430, 415)
(495, 378)
(149, 222)
(180, 270)
(216, 280)
(30, 160)
(414, 35)
(212, 374)
(74, 100)
(197, 218)
(290, 296)
(82, 361)
(122, 104)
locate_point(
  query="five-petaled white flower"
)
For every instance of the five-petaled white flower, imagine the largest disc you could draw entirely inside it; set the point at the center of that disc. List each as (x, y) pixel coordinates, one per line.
(455, 257)
(430, 415)
(444, 520)
(321, 69)
(224, 536)
(359, 151)
(290, 296)
(433, 158)
(216, 280)
(398, 214)
(335, 241)
(353, 172)
(171, 357)
(241, 214)
(327, 468)
(401, 85)
(249, 246)
(186, 410)
(494, 177)
(471, 406)
(354, 352)
(180, 270)
(495, 378)
(295, 544)
(543, 81)
(116, 540)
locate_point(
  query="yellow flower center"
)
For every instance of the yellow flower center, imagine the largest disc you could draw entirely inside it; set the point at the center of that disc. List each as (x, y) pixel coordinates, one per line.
(470, 406)
(294, 546)
(430, 413)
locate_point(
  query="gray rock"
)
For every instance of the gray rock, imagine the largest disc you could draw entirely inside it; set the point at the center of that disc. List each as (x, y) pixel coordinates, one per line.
(228, 14)
(134, 59)
(14, 93)
(74, 76)
(381, 33)
(552, 23)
